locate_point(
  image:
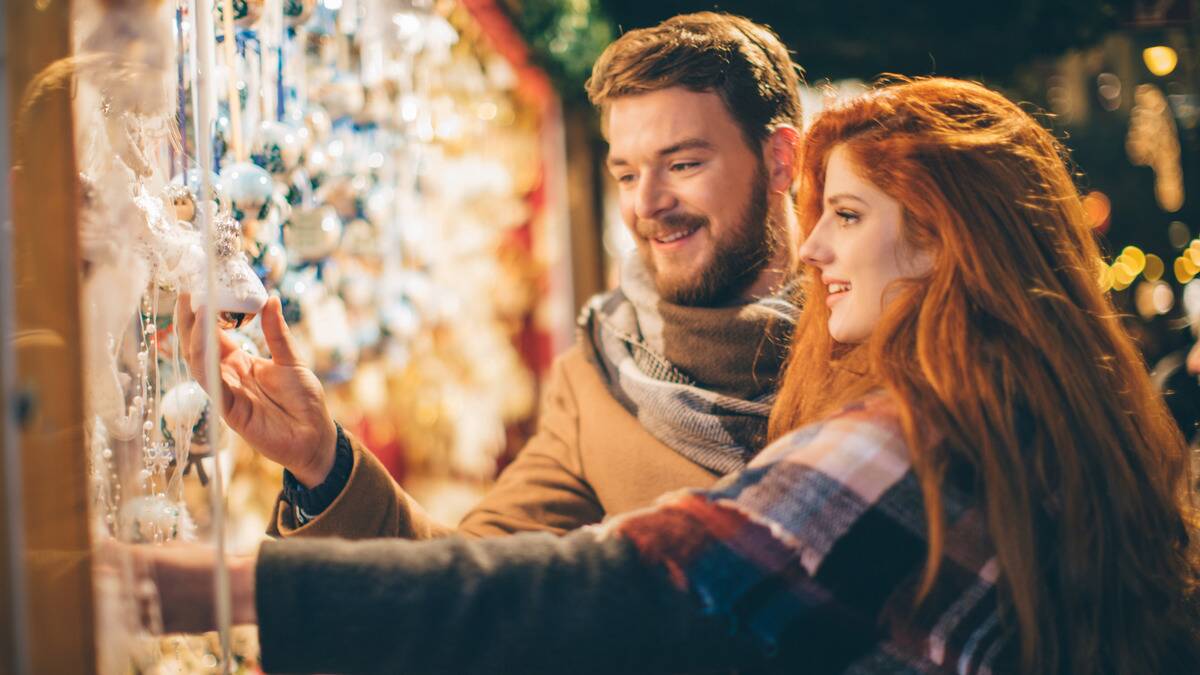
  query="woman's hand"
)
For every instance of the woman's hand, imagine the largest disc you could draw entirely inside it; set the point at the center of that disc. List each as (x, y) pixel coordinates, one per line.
(277, 405)
(184, 575)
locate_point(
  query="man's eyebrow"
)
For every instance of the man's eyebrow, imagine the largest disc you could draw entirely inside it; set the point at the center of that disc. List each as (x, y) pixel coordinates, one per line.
(686, 144)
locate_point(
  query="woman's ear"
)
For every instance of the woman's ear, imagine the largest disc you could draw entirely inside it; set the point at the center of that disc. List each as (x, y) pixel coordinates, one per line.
(781, 152)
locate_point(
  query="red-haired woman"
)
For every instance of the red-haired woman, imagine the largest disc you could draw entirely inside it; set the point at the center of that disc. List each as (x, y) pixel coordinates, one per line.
(971, 472)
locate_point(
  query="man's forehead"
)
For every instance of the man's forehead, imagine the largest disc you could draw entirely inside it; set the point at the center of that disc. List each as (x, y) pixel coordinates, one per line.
(658, 121)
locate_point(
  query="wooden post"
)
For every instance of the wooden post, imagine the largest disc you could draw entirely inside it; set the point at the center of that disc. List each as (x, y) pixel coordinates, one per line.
(58, 622)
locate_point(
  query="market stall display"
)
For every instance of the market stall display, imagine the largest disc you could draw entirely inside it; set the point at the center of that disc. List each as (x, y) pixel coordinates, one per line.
(380, 167)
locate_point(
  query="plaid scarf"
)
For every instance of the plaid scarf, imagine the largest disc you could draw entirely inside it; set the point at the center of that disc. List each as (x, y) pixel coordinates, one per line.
(700, 379)
(816, 550)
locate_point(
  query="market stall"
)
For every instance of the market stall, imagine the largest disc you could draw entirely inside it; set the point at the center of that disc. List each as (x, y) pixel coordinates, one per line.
(391, 169)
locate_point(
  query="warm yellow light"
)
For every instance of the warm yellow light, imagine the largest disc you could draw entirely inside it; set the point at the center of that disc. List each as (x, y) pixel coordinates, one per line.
(1160, 60)
(1154, 268)
(1134, 257)
(1123, 273)
(1106, 279)
(1184, 270)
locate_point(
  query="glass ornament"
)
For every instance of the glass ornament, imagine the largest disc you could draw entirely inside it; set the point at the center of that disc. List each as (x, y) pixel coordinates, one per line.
(342, 96)
(245, 12)
(248, 187)
(240, 294)
(297, 12)
(153, 519)
(277, 147)
(313, 234)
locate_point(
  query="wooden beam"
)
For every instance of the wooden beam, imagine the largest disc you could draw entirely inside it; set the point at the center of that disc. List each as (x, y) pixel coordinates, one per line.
(46, 270)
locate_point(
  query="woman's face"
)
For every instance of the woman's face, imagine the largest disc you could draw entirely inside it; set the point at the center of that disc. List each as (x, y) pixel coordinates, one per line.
(857, 248)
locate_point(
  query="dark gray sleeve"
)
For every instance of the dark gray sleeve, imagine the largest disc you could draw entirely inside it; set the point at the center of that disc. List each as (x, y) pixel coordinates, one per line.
(524, 604)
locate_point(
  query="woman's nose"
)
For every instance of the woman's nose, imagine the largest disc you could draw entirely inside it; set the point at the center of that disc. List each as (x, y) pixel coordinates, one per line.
(813, 250)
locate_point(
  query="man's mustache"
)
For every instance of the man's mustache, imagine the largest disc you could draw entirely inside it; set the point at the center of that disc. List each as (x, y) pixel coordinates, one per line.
(659, 227)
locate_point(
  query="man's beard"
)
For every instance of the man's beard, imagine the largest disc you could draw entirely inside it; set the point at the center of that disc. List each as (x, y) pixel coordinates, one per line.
(737, 260)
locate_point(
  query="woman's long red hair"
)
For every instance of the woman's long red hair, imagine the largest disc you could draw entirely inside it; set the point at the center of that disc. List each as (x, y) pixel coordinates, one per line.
(1008, 359)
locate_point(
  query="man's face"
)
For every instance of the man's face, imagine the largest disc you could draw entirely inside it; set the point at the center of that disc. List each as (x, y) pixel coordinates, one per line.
(692, 191)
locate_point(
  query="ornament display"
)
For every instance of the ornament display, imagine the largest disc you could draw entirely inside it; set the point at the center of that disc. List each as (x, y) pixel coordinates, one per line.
(366, 167)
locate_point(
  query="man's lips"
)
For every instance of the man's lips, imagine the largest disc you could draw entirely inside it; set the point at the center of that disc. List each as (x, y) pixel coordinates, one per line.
(673, 238)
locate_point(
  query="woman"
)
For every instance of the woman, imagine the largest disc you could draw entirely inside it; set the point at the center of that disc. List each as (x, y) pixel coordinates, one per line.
(981, 478)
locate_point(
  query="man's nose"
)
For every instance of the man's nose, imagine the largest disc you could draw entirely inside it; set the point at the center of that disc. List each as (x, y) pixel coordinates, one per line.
(653, 198)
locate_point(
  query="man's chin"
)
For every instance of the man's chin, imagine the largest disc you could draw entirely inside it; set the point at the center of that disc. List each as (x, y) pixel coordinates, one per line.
(689, 290)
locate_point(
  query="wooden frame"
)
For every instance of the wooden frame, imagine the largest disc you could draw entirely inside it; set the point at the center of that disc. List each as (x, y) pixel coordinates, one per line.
(55, 628)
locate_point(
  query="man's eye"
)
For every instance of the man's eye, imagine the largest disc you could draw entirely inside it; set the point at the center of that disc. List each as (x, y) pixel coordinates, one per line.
(625, 178)
(684, 166)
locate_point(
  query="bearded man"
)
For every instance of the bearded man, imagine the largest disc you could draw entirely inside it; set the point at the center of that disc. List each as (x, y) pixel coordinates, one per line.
(672, 379)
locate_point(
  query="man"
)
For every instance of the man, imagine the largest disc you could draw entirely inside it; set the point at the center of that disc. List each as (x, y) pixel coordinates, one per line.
(672, 380)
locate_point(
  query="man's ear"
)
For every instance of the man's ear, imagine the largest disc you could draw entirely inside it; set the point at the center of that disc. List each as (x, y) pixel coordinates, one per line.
(781, 152)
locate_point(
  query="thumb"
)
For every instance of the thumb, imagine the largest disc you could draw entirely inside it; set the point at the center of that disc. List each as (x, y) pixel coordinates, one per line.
(279, 338)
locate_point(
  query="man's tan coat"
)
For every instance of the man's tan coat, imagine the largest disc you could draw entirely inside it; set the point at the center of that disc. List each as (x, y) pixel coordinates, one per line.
(589, 458)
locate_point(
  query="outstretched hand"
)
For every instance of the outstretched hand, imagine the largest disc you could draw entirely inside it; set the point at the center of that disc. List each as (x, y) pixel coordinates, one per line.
(277, 405)
(184, 575)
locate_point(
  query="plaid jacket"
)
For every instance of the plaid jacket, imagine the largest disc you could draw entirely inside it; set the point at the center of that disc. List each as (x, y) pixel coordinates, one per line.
(817, 548)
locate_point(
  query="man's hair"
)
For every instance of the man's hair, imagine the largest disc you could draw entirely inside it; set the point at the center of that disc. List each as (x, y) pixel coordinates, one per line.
(741, 61)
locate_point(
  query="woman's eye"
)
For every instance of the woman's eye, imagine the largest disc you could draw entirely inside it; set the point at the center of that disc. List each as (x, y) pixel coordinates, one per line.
(846, 217)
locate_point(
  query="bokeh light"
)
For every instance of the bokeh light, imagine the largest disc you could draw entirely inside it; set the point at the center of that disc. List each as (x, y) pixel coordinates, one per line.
(1160, 59)
(1099, 209)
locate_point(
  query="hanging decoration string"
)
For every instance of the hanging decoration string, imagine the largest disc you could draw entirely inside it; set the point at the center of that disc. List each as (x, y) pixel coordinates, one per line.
(235, 102)
(203, 104)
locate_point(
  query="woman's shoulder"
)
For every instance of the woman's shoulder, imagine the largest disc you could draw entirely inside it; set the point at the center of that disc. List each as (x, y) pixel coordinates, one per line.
(868, 430)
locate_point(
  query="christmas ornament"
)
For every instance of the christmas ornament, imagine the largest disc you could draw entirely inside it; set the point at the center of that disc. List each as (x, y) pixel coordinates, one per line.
(277, 147)
(313, 234)
(245, 13)
(248, 188)
(239, 294)
(297, 12)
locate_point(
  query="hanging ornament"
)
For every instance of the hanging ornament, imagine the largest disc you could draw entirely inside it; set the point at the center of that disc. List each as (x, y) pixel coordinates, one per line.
(154, 519)
(185, 407)
(239, 294)
(343, 96)
(245, 13)
(186, 410)
(277, 147)
(297, 12)
(313, 234)
(248, 188)
(299, 189)
(361, 239)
